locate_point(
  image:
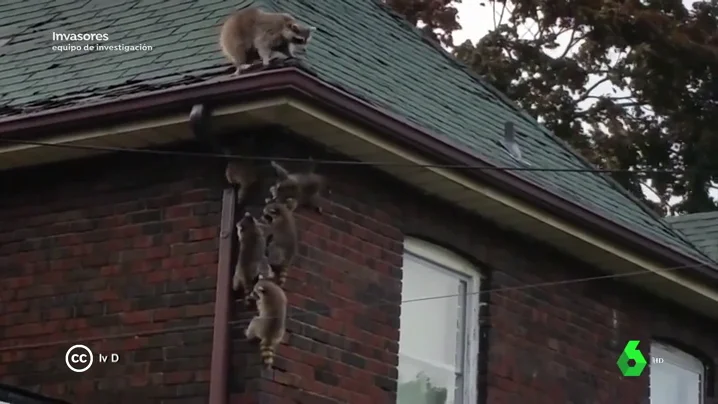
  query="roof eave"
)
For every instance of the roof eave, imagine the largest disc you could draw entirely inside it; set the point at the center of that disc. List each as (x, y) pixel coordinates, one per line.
(395, 128)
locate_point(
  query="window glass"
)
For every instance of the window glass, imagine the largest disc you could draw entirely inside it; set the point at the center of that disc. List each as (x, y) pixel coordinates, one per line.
(677, 379)
(433, 339)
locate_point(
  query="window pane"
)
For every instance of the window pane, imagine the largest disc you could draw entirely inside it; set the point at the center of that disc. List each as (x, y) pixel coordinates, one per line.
(431, 355)
(424, 323)
(672, 384)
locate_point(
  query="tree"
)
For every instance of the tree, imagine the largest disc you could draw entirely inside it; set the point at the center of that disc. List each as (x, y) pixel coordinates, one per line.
(437, 17)
(660, 58)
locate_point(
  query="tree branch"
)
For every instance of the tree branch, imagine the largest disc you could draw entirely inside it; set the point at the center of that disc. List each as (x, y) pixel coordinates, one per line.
(593, 87)
(501, 17)
(598, 97)
(493, 12)
(629, 104)
(562, 31)
(599, 71)
(572, 42)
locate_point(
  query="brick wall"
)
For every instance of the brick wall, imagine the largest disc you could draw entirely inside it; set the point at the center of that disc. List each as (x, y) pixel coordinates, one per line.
(124, 244)
(552, 345)
(148, 227)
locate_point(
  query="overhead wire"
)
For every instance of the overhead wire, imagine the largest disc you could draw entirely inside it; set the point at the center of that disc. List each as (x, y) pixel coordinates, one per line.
(180, 153)
(511, 288)
(329, 311)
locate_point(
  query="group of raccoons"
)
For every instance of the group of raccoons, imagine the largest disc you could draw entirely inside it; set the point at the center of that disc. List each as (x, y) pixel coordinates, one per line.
(267, 248)
(268, 244)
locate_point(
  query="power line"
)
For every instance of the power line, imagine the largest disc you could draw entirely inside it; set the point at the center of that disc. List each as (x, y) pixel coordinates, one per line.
(518, 287)
(138, 334)
(179, 153)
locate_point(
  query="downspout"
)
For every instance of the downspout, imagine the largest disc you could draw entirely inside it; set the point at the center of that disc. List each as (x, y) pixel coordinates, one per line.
(220, 339)
(219, 368)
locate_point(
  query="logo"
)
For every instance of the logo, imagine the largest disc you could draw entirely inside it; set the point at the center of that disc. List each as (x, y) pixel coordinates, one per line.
(631, 353)
(78, 358)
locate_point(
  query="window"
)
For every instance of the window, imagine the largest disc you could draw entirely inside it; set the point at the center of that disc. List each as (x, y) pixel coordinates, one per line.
(438, 343)
(678, 378)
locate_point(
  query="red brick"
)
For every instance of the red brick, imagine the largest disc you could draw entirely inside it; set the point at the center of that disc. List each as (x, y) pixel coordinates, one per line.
(157, 252)
(174, 212)
(157, 276)
(172, 263)
(202, 258)
(137, 317)
(288, 379)
(138, 380)
(202, 234)
(177, 377)
(16, 306)
(132, 344)
(202, 376)
(185, 273)
(167, 314)
(199, 310)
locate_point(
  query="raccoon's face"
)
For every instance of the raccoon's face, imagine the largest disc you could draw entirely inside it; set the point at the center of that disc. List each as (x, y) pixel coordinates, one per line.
(297, 33)
(246, 224)
(271, 212)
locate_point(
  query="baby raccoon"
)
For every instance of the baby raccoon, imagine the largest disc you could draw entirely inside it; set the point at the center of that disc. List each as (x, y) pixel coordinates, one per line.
(304, 187)
(269, 325)
(284, 243)
(241, 173)
(252, 261)
(270, 35)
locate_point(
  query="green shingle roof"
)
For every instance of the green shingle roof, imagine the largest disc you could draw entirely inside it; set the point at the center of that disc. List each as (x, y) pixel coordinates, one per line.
(360, 46)
(701, 229)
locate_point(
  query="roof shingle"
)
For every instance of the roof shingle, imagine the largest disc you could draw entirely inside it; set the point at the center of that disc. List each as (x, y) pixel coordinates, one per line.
(701, 229)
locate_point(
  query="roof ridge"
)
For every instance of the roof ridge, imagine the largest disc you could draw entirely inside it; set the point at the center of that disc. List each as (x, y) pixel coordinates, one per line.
(713, 214)
(685, 239)
(531, 120)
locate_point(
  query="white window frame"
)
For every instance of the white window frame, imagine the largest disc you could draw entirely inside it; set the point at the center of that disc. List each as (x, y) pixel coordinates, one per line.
(439, 258)
(673, 356)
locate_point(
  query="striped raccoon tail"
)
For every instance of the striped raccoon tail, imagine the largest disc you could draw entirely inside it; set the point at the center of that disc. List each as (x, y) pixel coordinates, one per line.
(267, 351)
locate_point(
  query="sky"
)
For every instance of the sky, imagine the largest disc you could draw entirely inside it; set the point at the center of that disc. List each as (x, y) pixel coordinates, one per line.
(477, 20)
